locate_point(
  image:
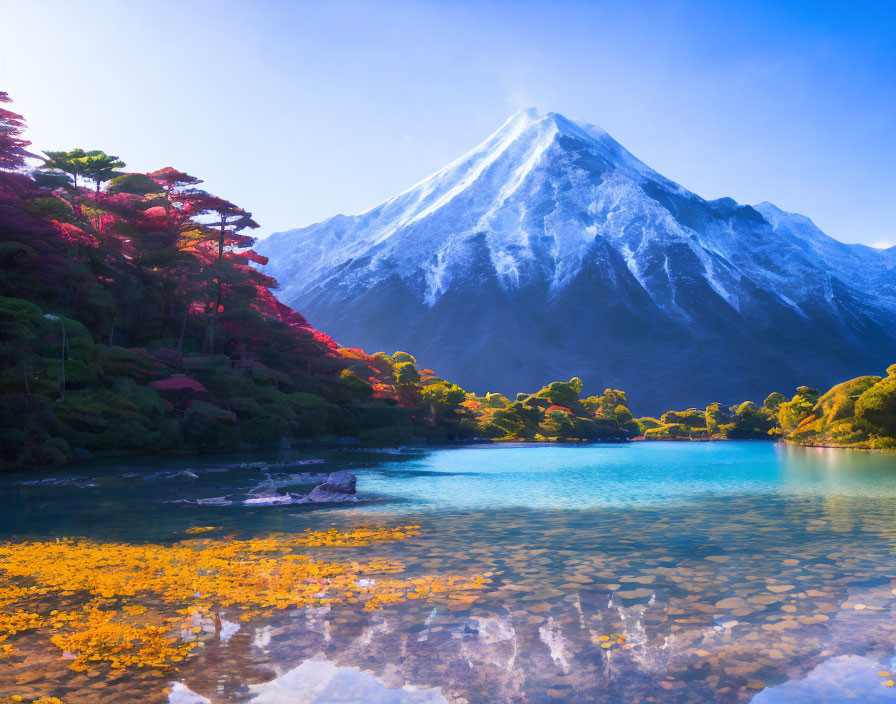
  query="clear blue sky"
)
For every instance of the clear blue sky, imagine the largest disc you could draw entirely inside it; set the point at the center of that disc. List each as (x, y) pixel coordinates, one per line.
(298, 111)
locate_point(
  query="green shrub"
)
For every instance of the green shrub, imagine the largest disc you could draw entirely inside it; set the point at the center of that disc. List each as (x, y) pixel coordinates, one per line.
(773, 400)
(875, 408)
(691, 418)
(207, 427)
(403, 358)
(648, 423)
(562, 393)
(498, 400)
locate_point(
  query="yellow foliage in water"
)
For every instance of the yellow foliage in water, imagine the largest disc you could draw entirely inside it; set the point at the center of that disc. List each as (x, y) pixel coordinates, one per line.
(201, 529)
(186, 580)
(91, 635)
(12, 622)
(610, 642)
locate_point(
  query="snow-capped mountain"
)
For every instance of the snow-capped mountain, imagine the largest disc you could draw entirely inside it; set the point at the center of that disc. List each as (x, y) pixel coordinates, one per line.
(550, 251)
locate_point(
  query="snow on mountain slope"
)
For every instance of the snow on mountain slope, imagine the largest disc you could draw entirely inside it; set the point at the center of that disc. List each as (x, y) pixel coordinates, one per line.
(550, 250)
(488, 189)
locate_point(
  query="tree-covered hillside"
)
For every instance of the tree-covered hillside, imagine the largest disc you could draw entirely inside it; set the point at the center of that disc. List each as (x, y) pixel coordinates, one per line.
(132, 321)
(859, 413)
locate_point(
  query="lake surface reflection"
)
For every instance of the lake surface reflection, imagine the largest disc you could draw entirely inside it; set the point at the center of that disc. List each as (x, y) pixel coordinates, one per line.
(650, 572)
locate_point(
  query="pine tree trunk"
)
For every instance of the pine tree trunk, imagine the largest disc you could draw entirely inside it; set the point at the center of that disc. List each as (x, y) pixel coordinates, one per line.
(183, 328)
(96, 202)
(218, 291)
(62, 387)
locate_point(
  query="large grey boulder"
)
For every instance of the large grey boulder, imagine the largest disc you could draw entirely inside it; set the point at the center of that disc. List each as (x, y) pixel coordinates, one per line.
(339, 487)
(319, 496)
(339, 483)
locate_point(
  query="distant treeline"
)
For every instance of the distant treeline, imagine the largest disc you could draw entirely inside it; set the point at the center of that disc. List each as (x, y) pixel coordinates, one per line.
(859, 413)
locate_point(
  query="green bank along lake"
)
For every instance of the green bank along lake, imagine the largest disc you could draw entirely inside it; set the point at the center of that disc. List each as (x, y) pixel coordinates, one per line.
(642, 572)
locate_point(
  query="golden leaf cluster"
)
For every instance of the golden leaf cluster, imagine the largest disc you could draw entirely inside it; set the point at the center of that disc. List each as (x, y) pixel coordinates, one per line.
(612, 641)
(129, 605)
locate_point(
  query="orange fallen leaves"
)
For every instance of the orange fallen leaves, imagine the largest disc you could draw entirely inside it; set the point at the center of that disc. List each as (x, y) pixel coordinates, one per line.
(609, 642)
(190, 579)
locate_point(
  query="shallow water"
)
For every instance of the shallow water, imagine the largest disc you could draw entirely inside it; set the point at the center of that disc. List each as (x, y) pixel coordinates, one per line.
(737, 571)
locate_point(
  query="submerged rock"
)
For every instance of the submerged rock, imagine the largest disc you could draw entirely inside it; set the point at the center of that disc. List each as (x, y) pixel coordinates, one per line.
(339, 483)
(287, 466)
(285, 480)
(212, 501)
(320, 495)
(271, 500)
(339, 487)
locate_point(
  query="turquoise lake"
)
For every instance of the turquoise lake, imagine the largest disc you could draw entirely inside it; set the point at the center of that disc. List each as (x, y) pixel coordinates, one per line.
(737, 571)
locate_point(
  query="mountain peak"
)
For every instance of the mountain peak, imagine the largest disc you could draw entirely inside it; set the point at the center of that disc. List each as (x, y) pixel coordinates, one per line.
(530, 114)
(527, 141)
(562, 124)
